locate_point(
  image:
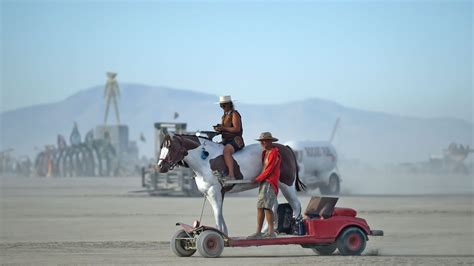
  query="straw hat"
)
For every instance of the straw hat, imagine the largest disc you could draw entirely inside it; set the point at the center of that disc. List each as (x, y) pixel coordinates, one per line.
(266, 136)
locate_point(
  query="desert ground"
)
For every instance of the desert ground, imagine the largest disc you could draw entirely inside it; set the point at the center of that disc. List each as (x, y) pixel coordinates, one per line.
(106, 221)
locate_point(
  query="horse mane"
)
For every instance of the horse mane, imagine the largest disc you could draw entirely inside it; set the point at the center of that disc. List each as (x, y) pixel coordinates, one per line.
(189, 135)
(184, 135)
(199, 137)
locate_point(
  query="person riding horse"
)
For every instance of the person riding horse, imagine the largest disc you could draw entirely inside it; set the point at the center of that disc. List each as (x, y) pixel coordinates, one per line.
(232, 131)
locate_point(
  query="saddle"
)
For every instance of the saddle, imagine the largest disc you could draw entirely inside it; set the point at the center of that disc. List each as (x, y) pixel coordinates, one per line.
(218, 166)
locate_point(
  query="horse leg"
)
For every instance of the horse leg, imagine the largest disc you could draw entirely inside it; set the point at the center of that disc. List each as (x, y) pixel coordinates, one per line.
(214, 196)
(290, 195)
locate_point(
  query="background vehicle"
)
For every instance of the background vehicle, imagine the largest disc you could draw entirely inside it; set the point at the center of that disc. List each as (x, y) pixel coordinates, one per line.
(179, 181)
(317, 162)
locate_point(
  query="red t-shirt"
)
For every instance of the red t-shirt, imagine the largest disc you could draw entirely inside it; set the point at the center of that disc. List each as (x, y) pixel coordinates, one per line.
(271, 171)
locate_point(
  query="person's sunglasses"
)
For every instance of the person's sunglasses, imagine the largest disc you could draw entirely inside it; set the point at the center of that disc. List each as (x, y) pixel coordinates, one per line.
(223, 105)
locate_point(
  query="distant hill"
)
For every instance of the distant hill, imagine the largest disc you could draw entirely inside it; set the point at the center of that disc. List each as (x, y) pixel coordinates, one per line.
(364, 135)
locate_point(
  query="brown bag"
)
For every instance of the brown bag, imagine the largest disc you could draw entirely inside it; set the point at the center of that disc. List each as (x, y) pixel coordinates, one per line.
(239, 141)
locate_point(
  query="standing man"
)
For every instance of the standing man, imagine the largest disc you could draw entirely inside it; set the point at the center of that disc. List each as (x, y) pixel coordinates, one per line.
(268, 189)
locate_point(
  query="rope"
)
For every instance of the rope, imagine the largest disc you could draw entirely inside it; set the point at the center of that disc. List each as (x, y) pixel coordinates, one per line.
(203, 205)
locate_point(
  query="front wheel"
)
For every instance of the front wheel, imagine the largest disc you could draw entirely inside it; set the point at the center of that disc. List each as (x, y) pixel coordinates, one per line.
(210, 244)
(181, 244)
(351, 242)
(325, 250)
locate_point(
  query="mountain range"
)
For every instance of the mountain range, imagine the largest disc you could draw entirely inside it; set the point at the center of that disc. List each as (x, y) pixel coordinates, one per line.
(363, 135)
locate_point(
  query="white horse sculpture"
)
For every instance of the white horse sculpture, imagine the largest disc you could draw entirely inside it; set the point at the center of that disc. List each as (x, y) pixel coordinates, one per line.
(204, 157)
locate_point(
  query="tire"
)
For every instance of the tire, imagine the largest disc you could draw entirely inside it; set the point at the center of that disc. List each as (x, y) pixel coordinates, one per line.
(325, 250)
(351, 242)
(210, 244)
(333, 186)
(178, 246)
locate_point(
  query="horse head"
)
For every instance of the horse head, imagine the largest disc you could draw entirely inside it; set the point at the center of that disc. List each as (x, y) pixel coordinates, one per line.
(173, 151)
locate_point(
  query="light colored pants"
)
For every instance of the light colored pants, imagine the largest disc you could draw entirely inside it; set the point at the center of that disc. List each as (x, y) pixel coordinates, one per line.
(266, 196)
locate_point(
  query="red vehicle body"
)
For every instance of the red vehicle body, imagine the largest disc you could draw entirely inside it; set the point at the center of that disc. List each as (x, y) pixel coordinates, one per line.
(342, 230)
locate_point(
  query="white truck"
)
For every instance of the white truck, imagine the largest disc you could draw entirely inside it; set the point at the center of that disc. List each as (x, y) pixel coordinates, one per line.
(317, 162)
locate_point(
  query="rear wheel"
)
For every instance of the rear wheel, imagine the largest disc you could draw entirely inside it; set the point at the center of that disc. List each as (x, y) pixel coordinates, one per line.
(210, 244)
(333, 186)
(325, 250)
(351, 242)
(180, 245)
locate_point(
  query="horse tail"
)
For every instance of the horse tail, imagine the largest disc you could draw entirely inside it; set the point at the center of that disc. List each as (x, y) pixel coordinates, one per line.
(300, 186)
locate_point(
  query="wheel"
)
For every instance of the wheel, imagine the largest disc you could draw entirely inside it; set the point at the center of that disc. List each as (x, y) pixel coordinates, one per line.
(332, 188)
(324, 250)
(351, 242)
(181, 247)
(210, 244)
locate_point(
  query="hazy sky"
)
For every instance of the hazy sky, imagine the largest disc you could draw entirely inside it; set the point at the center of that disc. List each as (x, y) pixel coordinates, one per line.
(404, 57)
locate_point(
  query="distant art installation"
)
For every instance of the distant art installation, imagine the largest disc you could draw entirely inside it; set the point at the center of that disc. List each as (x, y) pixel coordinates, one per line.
(111, 92)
